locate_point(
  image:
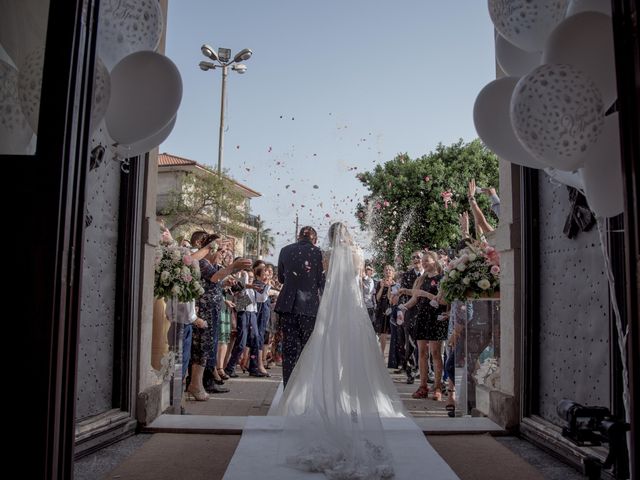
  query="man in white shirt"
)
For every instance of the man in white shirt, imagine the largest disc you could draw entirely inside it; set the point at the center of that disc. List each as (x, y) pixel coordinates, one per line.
(368, 291)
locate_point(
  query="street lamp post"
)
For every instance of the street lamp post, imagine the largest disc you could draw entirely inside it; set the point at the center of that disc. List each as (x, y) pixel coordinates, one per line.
(222, 59)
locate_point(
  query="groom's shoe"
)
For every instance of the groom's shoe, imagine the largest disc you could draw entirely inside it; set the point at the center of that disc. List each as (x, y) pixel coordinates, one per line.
(410, 380)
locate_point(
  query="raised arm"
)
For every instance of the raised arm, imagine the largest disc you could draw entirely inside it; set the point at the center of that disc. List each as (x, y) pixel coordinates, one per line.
(482, 226)
(239, 264)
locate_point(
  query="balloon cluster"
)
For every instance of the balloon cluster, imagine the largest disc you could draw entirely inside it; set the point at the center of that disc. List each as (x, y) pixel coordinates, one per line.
(136, 91)
(548, 111)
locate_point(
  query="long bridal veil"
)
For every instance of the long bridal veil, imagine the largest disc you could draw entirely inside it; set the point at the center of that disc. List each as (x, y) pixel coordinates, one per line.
(340, 389)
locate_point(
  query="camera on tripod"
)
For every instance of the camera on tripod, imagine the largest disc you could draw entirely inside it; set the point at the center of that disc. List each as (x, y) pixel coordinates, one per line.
(593, 426)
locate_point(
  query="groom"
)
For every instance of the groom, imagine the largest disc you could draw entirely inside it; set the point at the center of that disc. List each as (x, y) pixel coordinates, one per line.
(301, 273)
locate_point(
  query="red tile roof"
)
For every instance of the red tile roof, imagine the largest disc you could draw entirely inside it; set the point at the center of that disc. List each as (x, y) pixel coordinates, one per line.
(168, 160)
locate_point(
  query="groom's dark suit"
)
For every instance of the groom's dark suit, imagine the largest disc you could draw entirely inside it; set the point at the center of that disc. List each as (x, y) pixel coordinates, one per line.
(301, 273)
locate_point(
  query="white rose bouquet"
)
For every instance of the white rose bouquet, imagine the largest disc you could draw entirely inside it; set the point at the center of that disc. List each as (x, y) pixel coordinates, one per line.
(177, 274)
(474, 273)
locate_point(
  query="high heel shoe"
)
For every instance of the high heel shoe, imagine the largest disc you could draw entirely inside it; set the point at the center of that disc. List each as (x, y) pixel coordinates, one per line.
(244, 366)
(216, 377)
(198, 395)
(223, 374)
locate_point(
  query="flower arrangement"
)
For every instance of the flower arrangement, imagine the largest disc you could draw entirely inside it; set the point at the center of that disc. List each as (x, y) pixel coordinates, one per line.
(474, 273)
(177, 274)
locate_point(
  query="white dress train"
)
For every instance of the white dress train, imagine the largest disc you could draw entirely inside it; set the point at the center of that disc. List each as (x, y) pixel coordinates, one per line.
(340, 389)
(340, 416)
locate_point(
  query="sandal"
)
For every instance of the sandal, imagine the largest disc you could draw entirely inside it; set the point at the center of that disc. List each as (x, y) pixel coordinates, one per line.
(437, 395)
(422, 392)
(223, 374)
(451, 410)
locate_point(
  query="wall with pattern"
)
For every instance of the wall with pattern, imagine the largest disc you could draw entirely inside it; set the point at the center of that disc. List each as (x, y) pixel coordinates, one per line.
(574, 310)
(95, 354)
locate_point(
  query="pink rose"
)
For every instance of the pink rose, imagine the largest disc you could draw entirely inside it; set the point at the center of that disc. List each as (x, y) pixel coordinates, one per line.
(493, 257)
(187, 260)
(495, 270)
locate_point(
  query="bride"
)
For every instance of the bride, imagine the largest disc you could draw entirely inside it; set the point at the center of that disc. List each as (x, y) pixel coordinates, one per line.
(339, 390)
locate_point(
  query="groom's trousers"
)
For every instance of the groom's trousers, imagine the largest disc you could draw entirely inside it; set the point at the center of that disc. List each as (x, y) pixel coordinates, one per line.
(296, 330)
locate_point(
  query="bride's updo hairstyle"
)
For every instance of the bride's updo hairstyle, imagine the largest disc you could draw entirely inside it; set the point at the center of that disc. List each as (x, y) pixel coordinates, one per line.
(338, 232)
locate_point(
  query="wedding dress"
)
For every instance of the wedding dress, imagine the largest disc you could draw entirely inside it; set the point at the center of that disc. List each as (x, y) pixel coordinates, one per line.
(340, 416)
(339, 390)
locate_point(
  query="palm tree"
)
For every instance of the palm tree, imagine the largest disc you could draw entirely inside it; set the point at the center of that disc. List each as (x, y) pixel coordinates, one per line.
(267, 241)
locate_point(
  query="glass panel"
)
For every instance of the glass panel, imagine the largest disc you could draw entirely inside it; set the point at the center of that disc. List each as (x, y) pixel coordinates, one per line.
(477, 358)
(23, 28)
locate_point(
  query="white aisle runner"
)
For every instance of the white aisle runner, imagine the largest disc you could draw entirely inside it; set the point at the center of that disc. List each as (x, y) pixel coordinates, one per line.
(257, 453)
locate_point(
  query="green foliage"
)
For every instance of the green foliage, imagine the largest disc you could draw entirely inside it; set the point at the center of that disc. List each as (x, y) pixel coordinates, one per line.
(196, 204)
(409, 191)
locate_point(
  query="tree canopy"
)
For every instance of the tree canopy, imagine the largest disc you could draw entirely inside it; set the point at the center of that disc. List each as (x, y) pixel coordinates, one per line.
(196, 203)
(415, 203)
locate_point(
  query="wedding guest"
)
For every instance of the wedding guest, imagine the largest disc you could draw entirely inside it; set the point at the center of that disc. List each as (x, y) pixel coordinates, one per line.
(268, 350)
(368, 292)
(209, 305)
(226, 319)
(396, 354)
(247, 307)
(431, 327)
(184, 320)
(408, 326)
(383, 309)
(262, 288)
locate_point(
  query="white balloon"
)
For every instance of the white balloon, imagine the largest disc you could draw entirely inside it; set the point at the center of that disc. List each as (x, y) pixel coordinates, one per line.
(30, 86)
(585, 41)
(23, 27)
(557, 114)
(101, 94)
(146, 90)
(572, 179)
(527, 23)
(15, 132)
(514, 61)
(493, 123)
(602, 172)
(579, 6)
(128, 27)
(146, 145)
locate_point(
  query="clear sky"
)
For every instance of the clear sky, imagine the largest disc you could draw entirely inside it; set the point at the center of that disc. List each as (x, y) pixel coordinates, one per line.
(334, 87)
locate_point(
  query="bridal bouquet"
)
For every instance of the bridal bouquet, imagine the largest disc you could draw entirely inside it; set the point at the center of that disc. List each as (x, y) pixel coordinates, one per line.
(177, 274)
(474, 273)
